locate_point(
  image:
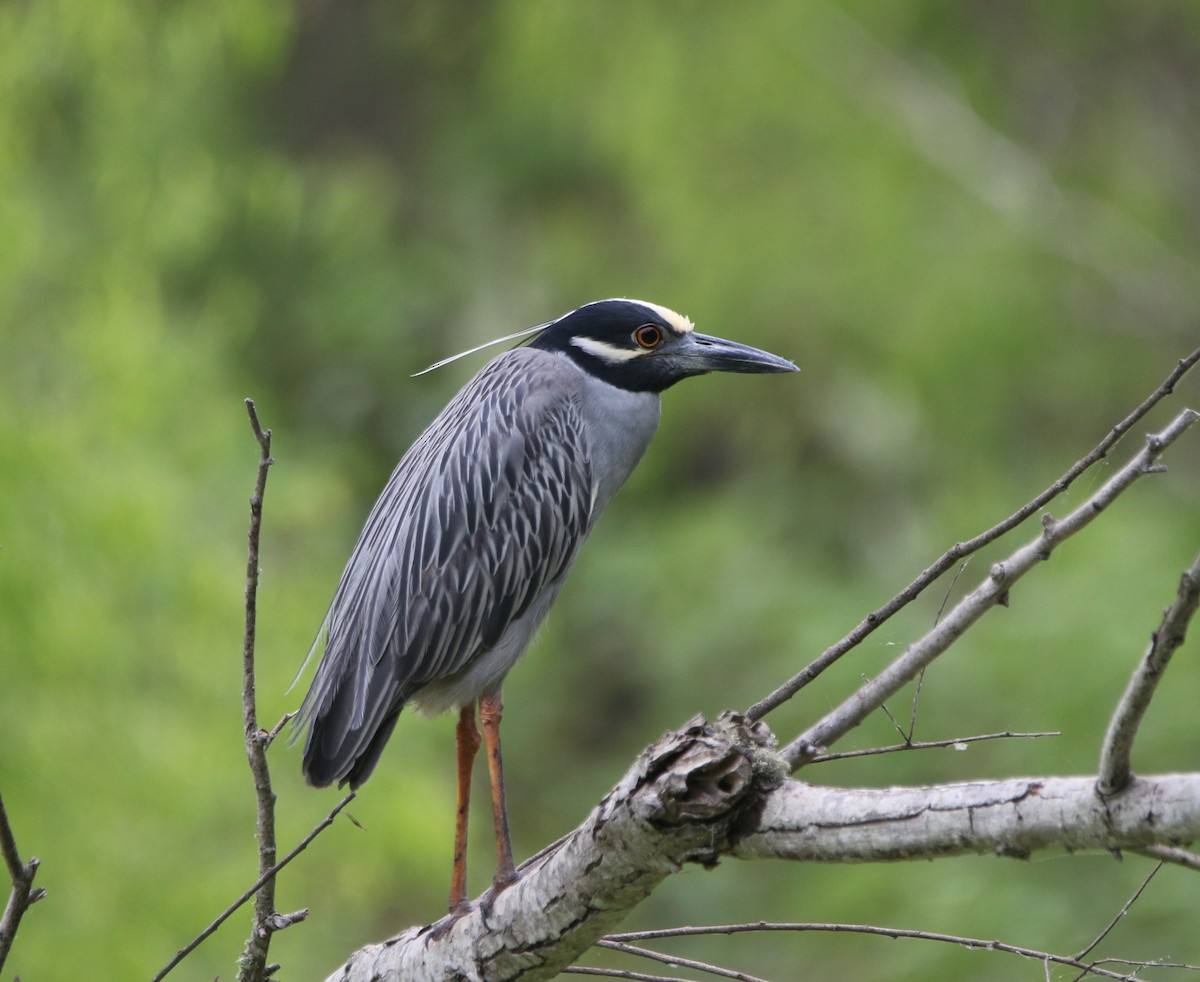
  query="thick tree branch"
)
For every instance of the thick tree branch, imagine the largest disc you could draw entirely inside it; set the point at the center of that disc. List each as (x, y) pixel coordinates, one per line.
(1115, 768)
(992, 591)
(23, 894)
(716, 790)
(960, 550)
(1013, 817)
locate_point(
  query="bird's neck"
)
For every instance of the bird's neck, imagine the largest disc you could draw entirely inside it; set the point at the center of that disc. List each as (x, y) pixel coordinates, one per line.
(620, 426)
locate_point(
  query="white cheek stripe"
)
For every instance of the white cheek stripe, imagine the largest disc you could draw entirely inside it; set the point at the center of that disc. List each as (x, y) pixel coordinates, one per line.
(607, 352)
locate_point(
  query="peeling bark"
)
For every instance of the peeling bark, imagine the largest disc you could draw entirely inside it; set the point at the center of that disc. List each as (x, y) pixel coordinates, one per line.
(719, 789)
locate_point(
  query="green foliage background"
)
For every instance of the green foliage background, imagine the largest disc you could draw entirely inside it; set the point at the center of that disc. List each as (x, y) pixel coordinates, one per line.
(975, 226)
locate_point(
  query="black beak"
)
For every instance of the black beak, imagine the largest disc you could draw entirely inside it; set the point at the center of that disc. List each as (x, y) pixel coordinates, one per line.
(704, 353)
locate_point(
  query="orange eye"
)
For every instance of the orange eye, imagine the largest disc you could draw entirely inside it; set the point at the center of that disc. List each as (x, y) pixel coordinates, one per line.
(648, 336)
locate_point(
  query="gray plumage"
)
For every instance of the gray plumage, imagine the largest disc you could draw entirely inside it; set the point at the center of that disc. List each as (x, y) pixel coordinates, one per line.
(467, 546)
(465, 550)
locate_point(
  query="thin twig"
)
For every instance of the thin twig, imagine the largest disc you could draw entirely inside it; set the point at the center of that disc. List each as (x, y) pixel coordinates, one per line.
(916, 699)
(1125, 908)
(23, 895)
(892, 932)
(992, 591)
(960, 550)
(956, 743)
(916, 702)
(890, 717)
(252, 964)
(221, 918)
(1171, 854)
(1137, 965)
(619, 973)
(675, 960)
(278, 728)
(1115, 766)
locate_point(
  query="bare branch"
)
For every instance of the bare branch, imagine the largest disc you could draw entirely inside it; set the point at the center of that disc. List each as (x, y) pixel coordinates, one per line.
(676, 960)
(281, 921)
(960, 550)
(23, 895)
(620, 973)
(958, 743)
(899, 933)
(252, 964)
(994, 590)
(277, 729)
(1171, 854)
(1115, 768)
(1015, 817)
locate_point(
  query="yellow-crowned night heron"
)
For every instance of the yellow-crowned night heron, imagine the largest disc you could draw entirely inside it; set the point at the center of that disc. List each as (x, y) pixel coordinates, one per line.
(476, 530)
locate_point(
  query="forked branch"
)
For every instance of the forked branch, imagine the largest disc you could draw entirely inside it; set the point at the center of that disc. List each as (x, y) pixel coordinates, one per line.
(992, 591)
(23, 894)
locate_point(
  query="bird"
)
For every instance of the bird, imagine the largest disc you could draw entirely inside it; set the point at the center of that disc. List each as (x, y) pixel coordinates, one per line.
(477, 528)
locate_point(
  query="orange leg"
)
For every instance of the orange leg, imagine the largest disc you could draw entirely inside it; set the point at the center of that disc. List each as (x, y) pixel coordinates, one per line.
(467, 740)
(491, 708)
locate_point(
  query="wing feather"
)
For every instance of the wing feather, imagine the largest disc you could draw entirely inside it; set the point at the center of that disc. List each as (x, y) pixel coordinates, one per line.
(484, 513)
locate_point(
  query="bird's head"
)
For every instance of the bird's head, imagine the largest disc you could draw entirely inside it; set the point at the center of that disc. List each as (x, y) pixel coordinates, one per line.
(643, 347)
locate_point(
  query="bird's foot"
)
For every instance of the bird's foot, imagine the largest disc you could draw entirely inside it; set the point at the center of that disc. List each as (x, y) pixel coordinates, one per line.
(502, 881)
(438, 929)
(499, 885)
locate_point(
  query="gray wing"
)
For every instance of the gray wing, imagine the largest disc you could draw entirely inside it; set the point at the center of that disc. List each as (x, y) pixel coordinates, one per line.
(486, 510)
